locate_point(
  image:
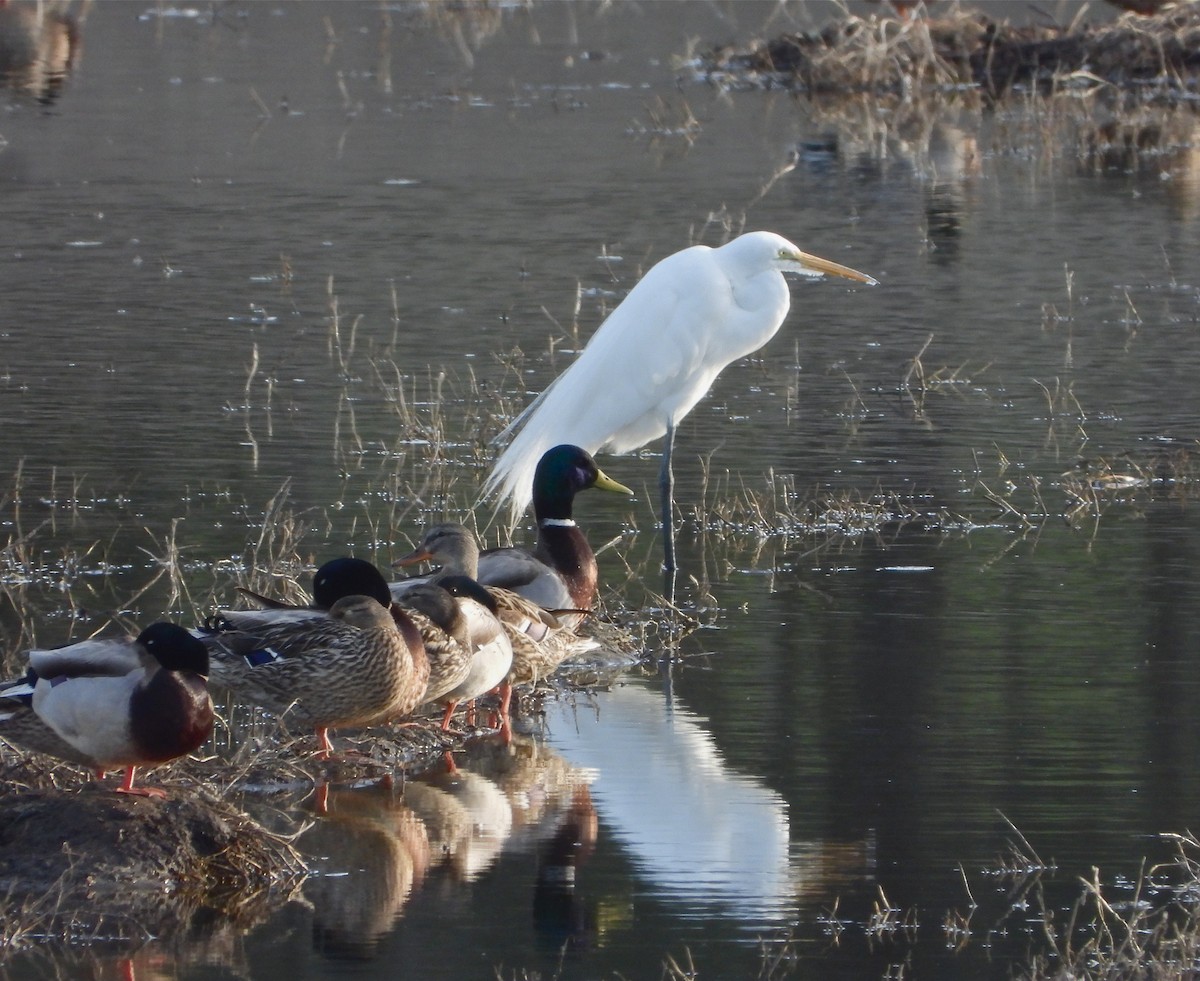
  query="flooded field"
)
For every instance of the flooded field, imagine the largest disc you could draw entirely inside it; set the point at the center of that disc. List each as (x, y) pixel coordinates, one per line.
(273, 275)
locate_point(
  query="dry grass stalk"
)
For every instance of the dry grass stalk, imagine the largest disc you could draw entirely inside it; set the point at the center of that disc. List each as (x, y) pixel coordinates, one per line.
(968, 48)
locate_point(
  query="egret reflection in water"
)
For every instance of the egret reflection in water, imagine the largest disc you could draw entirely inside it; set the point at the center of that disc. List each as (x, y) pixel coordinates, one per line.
(702, 834)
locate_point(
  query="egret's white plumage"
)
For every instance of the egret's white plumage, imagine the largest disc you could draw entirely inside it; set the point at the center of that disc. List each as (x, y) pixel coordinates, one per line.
(658, 354)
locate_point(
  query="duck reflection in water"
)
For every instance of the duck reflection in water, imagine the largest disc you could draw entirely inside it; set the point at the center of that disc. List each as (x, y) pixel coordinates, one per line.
(368, 852)
(376, 849)
(468, 819)
(555, 819)
(40, 44)
(560, 913)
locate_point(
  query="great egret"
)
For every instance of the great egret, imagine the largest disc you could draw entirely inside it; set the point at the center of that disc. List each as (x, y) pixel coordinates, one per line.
(656, 356)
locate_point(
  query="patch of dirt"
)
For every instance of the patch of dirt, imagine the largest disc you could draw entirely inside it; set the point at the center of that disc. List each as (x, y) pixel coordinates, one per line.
(89, 862)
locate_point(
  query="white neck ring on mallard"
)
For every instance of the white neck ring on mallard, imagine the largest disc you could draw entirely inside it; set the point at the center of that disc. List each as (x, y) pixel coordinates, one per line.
(557, 522)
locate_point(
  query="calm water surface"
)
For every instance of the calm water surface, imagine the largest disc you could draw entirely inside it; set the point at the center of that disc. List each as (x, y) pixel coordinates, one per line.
(245, 245)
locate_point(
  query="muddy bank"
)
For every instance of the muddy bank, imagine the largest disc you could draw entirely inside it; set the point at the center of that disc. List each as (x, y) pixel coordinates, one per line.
(82, 863)
(88, 862)
(882, 54)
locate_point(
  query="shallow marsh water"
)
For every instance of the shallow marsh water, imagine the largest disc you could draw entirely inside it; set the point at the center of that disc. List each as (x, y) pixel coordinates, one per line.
(239, 233)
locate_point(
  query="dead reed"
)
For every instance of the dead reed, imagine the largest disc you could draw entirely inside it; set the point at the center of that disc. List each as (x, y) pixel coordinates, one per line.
(966, 47)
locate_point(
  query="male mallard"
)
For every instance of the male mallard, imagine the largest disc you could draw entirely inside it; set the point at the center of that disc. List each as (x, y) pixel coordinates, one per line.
(110, 704)
(560, 573)
(469, 618)
(343, 576)
(540, 641)
(350, 666)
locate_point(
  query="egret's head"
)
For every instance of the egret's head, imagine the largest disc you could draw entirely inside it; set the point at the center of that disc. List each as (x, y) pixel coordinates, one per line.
(777, 252)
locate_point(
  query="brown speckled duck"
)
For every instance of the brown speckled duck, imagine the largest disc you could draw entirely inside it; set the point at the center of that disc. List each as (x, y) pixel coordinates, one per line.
(540, 641)
(350, 666)
(347, 576)
(481, 654)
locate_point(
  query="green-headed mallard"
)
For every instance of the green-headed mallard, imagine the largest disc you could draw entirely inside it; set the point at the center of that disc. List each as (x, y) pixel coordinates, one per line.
(560, 573)
(343, 576)
(109, 704)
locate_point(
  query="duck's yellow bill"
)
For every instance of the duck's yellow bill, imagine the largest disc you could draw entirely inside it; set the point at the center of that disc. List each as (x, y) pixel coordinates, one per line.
(605, 482)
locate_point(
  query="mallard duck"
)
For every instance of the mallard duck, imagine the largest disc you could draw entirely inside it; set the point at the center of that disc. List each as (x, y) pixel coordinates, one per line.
(469, 618)
(112, 704)
(350, 666)
(560, 573)
(540, 640)
(335, 580)
(343, 576)
(454, 549)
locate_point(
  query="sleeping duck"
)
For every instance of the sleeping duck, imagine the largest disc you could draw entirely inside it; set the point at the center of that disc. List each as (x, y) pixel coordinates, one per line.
(110, 704)
(540, 640)
(353, 665)
(343, 576)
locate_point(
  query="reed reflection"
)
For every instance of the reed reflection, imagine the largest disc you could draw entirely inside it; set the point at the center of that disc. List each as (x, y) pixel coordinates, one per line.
(1158, 143)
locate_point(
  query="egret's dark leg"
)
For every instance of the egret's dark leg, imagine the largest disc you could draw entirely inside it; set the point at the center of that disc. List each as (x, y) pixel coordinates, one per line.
(666, 485)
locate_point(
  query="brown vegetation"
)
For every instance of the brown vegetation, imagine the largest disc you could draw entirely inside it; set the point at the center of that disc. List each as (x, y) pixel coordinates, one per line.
(970, 48)
(117, 865)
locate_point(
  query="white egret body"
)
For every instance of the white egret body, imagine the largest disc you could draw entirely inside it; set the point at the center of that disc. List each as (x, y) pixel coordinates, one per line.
(657, 355)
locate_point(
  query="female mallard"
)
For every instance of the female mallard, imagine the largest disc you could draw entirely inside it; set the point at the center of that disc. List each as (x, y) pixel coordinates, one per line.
(112, 704)
(350, 666)
(335, 580)
(482, 652)
(560, 573)
(540, 641)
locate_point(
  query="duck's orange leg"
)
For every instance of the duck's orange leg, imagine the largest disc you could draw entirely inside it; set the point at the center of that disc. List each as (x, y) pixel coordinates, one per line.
(128, 788)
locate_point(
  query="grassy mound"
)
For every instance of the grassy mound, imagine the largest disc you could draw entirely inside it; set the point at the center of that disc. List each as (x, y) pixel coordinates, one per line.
(92, 863)
(970, 48)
